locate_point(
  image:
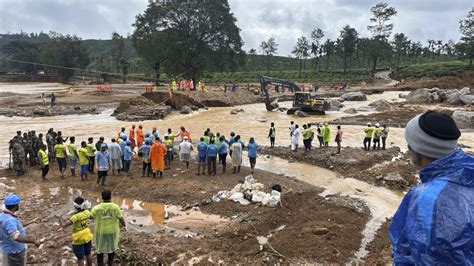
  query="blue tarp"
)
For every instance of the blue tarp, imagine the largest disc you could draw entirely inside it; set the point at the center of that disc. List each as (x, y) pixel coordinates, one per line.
(434, 224)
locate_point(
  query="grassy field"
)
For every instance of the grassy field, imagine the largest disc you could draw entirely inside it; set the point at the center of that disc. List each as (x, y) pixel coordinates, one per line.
(434, 69)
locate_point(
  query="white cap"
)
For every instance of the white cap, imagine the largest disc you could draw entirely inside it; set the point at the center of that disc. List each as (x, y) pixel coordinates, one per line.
(377, 125)
(369, 124)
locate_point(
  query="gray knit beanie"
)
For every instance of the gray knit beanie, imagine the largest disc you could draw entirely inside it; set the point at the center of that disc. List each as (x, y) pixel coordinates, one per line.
(432, 134)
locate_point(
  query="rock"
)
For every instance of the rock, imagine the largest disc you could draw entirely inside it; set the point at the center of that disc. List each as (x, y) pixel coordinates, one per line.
(185, 110)
(364, 109)
(301, 114)
(424, 95)
(402, 96)
(375, 104)
(383, 106)
(336, 103)
(464, 119)
(320, 231)
(262, 120)
(236, 111)
(467, 99)
(394, 177)
(194, 107)
(350, 111)
(206, 201)
(354, 96)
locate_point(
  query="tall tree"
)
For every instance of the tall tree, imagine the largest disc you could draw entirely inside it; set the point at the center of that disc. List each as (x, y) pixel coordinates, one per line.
(301, 50)
(119, 55)
(186, 38)
(347, 44)
(381, 29)
(329, 47)
(466, 26)
(269, 48)
(400, 45)
(64, 51)
(23, 51)
(316, 46)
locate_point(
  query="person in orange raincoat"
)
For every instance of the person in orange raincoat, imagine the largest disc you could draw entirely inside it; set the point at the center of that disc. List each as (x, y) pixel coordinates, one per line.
(157, 157)
(140, 136)
(131, 137)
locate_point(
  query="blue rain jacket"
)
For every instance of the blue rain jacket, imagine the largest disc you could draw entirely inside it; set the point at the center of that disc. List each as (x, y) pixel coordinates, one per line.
(434, 224)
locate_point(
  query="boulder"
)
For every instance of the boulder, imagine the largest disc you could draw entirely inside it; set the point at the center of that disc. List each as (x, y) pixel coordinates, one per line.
(354, 96)
(467, 99)
(185, 110)
(194, 107)
(464, 119)
(350, 111)
(424, 95)
(402, 96)
(383, 106)
(377, 103)
(364, 109)
(394, 177)
(301, 114)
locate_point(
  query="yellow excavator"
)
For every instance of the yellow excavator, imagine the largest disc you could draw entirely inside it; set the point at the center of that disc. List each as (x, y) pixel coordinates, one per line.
(302, 101)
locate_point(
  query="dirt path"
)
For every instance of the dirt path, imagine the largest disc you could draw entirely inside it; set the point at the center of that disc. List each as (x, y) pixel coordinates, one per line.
(318, 229)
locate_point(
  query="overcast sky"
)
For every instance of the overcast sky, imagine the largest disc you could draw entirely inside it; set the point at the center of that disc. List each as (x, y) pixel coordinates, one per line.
(258, 19)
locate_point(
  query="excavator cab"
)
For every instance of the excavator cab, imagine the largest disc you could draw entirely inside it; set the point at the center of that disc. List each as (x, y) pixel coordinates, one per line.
(308, 103)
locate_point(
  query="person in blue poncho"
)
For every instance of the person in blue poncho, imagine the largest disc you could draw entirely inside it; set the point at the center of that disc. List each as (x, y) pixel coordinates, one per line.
(434, 224)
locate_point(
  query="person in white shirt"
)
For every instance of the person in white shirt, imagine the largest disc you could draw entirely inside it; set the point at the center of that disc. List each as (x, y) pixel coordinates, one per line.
(185, 149)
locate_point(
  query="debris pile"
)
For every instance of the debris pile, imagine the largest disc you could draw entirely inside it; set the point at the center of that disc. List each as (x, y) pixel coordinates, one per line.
(250, 191)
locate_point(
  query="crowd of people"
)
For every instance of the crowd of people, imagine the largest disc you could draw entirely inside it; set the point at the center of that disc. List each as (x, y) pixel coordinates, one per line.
(155, 152)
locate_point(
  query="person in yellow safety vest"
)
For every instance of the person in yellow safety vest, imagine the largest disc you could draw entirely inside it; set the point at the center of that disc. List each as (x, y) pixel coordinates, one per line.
(272, 134)
(377, 134)
(368, 136)
(174, 86)
(326, 134)
(44, 161)
(199, 86)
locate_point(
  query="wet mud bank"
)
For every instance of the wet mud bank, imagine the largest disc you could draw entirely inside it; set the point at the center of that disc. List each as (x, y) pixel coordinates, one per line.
(320, 222)
(380, 248)
(374, 167)
(42, 111)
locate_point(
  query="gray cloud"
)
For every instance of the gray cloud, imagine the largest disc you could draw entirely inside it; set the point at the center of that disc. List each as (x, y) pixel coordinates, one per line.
(259, 19)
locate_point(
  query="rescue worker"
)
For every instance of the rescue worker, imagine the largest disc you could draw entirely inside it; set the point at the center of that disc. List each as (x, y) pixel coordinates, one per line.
(339, 139)
(252, 153)
(174, 86)
(222, 150)
(140, 136)
(369, 131)
(185, 149)
(102, 164)
(108, 219)
(320, 135)
(184, 133)
(99, 143)
(26, 145)
(202, 156)
(169, 151)
(385, 131)
(61, 156)
(34, 148)
(115, 156)
(157, 157)
(326, 134)
(13, 234)
(307, 133)
(44, 162)
(434, 223)
(91, 153)
(236, 154)
(132, 137)
(72, 151)
(377, 135)
(39, 142)
(144, 151)
(272, 135)
(211, 155)
(51, 141)
(18, 154)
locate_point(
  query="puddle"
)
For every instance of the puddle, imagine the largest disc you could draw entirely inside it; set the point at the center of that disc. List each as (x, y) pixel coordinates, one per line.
(381, 201)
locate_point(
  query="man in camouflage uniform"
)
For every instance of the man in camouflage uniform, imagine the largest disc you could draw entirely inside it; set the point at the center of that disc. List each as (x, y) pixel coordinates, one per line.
(51, 141)
(18, 154)
(34, 151)
(38, 143)
(26, 144)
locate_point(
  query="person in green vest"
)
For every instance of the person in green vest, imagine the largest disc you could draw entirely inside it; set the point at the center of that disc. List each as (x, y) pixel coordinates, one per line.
(320, 135)
(307, 134)
(272, 135)
(72, 150)
(217, 140)
(206, 137)
(61, 156)
(174, 86)
(108, 219)
(91, 153)
(44, 162)
(377, 135)
(81, 233)
(326, 134)
(369, 131)
(169, 151)
(83, 155)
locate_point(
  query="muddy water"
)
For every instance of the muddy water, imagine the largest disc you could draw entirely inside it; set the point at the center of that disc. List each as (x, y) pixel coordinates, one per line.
(32, 88)
(382, 202)
(218, 119)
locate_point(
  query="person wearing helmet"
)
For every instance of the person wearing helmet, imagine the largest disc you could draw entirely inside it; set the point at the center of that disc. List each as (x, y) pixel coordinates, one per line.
(81, 233)
(320, 135)
(377, 134)
(13, 234)
(44, 162)
(127, 156)
(385, 131)
(122, 145)
(369, 131)
(102, 164)
(144, 152)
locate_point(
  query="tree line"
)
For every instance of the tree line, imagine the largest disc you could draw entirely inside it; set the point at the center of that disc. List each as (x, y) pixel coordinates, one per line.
(350, 50)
